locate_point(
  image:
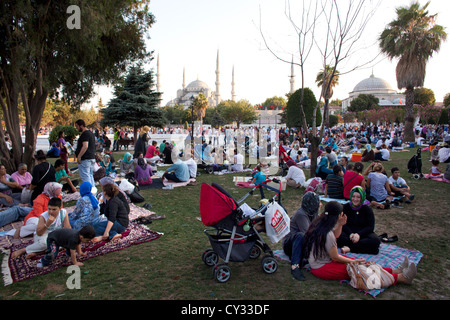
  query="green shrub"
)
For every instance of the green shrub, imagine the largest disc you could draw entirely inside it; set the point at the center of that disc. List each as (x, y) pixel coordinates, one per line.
(70, 133)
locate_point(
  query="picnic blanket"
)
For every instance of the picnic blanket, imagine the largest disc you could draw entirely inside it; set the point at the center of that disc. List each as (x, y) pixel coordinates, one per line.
(21, 268)
(441, 179)
(178, 184)
(343, 201)
(389, 256)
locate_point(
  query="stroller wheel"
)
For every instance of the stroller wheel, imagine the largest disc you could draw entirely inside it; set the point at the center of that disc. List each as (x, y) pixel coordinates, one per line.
(255, 252)
(221, 273)
(209, 257)
(416, 176)
(269, 264)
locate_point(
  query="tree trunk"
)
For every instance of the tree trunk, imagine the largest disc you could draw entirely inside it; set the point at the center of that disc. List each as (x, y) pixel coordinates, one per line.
(409, 116)
(314, 151)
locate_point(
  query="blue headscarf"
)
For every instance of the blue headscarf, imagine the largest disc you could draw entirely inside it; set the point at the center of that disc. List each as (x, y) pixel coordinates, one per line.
(85, 190)
(323, 163)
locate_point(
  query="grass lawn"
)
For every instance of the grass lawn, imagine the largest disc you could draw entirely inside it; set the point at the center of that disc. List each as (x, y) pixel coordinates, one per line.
(171, 268)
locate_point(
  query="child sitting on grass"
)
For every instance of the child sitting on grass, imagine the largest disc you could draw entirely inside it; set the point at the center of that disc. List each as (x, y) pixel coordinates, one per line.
(435, 171)
(63, 178)
(71, 240)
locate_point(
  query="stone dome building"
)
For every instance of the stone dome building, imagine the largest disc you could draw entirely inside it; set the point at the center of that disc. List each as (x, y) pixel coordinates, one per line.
(377, 87)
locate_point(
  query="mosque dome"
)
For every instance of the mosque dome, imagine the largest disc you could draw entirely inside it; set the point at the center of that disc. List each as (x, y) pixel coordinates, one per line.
(197, 85)
(373, 84)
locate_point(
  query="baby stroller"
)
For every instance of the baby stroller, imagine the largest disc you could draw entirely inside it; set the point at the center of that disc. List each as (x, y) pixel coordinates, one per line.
(234, 237)
(415, 165)
(283, 159)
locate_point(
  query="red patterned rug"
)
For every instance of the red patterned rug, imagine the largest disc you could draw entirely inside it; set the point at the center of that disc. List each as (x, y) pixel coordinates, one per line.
(21, 268)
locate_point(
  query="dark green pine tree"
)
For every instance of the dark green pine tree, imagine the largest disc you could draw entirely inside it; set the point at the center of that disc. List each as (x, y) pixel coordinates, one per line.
(135, 103)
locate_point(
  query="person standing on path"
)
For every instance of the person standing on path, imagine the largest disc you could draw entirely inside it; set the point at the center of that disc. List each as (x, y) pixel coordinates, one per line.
(85, 152)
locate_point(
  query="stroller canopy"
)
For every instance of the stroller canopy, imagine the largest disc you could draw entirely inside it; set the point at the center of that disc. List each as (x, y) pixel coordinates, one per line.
(214, 205)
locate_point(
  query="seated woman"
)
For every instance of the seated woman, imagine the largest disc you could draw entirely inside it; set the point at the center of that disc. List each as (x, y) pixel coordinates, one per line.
(321, 248)
(107, 164)
(295, 177)
(121, 195)
(358, 234)
(300, 221)
(40, 205)
(116, 214)
(322, 169)
(353, 177)
(87, 209)
(22, 176)
(380, 190)
(143, 172)
(368, 154)
(127, 164)
(7, 186)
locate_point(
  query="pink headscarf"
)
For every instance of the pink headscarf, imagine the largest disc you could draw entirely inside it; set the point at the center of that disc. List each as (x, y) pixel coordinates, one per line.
(50, 188)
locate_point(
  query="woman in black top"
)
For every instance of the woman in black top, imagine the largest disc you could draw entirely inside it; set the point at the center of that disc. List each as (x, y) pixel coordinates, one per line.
(358, 233)
(43, 172)
(116, 214)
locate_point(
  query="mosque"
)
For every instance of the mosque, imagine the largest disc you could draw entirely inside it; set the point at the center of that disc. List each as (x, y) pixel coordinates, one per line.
(377, 87)
(189, 92)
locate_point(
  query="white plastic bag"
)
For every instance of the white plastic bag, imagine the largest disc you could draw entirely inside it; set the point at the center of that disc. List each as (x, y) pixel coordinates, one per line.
(277, 222)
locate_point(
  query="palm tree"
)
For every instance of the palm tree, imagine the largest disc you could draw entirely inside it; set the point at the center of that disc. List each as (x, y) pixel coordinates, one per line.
(413, 38)
(324, 80)
(200, 105)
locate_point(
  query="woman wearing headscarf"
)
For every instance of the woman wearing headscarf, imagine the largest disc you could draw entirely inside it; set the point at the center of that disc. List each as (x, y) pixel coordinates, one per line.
(368, 154)
(107, 164)
(127, 164)
(300, 221)
(87, 209)
(322, 169)
(358, 234)
(40, 205)
(143, 172)
(322, 251)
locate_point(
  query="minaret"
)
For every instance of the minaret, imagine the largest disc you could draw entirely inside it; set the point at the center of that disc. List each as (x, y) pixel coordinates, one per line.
(217, 80)
(292, 76)
(233, 95)
(158, 81)
(184, 78)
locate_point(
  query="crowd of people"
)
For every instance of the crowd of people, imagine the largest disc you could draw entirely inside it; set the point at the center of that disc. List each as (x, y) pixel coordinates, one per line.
(320, 239)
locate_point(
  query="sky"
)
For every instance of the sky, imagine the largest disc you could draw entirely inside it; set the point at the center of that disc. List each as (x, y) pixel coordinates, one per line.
(189, 35)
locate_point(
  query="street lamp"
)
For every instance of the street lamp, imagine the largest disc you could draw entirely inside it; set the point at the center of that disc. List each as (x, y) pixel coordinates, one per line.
(192, 123)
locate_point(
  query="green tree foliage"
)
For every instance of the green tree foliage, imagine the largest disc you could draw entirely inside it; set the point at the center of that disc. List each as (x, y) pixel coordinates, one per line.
(41, 55)
(293, 113)
(135, 103)
(175, 114)
(412, 37)
(363, 102)
(424, 96)
(274, 103)
(236, 111)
